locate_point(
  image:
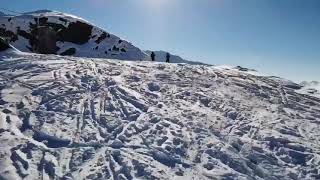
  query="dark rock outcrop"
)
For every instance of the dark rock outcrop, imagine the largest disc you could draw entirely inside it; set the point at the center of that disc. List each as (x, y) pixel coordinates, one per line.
(46, 40)
(3, 45)
(69, 52)
(101, 38)
(78, 33)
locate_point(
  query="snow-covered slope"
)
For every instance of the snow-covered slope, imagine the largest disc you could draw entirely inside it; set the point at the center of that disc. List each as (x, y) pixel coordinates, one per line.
(311, 88)
(77, 118)
(64, 34)
(312, 85)
(161, 57)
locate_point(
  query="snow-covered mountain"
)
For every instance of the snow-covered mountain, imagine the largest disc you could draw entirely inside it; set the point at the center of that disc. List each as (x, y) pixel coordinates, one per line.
(161, 57)
(51, 32)
(80, 118)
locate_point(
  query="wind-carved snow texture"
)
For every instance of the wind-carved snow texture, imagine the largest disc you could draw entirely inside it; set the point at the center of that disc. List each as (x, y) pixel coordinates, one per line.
(77, 118)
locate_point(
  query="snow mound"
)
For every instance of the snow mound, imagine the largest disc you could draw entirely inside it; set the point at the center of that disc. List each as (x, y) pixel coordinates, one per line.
(79, 118)
(312, 84)
(310, 88)
(52, 32)
(239, 69)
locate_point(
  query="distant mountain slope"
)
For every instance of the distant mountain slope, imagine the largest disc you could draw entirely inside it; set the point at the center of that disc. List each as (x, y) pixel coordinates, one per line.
(51, 32)
(311, 88)
(3, 14)
(161, 57)
(311, 84)
(85, 118)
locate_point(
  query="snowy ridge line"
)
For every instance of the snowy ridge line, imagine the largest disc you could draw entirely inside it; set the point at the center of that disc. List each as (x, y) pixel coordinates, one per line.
(160, 56)
(7, 10)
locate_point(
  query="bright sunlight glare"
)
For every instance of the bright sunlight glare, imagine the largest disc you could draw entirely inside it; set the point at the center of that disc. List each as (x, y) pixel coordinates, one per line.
(157, 4)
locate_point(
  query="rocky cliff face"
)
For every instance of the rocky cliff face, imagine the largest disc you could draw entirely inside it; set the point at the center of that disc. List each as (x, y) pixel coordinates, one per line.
(50, 32)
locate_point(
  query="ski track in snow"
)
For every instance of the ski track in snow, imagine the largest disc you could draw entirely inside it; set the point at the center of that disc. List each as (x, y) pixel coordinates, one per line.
(81, 118)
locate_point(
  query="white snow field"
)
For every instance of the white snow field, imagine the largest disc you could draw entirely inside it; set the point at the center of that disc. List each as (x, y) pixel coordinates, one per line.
(77, 118)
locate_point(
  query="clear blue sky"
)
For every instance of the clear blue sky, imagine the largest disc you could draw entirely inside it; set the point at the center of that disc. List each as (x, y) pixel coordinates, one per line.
(278, 37)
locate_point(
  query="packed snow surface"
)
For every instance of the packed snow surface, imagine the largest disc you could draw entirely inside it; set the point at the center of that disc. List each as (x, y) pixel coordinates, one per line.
(83, 118)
